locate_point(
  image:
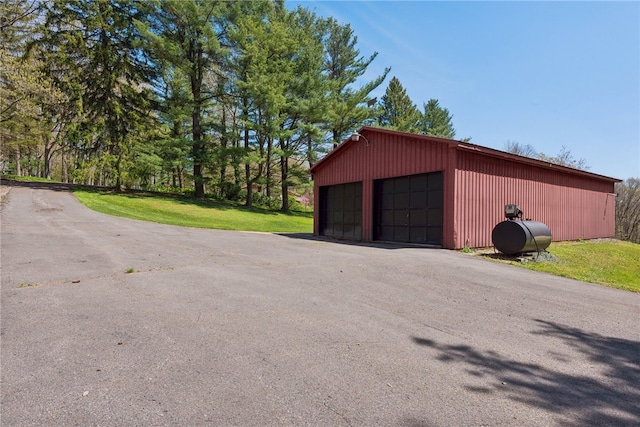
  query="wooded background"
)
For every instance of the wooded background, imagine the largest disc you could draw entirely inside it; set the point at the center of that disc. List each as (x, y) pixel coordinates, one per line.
(212, 98)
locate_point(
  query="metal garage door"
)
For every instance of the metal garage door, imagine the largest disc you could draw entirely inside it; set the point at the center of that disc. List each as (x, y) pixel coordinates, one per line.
(409, 209)
(341, 211)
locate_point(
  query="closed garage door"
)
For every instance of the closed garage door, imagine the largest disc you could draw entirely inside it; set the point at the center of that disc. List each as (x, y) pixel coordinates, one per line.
(341, 211)
(409, 209)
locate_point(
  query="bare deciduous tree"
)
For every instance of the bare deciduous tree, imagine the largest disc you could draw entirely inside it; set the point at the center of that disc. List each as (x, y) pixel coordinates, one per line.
(628, 210)
(514, 147)
(563, 158)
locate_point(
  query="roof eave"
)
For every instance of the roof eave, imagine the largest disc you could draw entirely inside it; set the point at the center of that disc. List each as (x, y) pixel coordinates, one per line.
(461, 145)
(531, 161)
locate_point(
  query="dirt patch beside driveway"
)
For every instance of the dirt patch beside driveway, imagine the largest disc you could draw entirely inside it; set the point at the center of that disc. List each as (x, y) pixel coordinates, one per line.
(4, 190)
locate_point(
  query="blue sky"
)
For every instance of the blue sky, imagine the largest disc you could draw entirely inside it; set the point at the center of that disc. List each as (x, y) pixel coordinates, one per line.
(546, 74)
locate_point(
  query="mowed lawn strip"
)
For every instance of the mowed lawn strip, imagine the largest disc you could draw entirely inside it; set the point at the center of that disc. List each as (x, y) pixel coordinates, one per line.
(194, 213)
(611, 263)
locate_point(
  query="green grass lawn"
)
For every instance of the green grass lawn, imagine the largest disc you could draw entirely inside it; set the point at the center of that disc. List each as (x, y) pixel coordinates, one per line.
(26, 178)
(611, 263)
(194, 213)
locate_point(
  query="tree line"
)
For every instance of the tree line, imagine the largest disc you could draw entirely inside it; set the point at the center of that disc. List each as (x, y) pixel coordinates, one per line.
(231, 99)
(234, 99)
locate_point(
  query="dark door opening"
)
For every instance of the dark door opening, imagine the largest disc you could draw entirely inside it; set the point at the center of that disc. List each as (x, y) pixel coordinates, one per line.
(341, 211)
(409, 209)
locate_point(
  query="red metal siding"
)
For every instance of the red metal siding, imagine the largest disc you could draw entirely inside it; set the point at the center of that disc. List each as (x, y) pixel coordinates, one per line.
(573, 206)
(478, 182)
(385, 155)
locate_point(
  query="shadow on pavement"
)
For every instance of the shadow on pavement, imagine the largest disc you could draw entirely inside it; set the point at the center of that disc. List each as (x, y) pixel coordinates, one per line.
(376, 244)
(54, 186)
(611, 399)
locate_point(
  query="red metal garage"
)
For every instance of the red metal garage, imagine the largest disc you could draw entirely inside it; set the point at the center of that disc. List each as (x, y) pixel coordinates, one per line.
(396, 186)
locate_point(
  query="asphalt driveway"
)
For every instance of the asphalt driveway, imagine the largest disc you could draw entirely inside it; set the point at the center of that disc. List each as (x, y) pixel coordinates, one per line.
(217, 328)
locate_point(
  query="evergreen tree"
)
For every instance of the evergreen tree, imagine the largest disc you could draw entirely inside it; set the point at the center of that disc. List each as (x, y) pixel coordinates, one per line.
(187, 34)
(398, 111)
(343, 66)
(96, 38)
(166, 87)
(436, 121)
(174, 144)
(17, 24)
(283, 93)
(305, 103)
(260, 69)
(26, 92)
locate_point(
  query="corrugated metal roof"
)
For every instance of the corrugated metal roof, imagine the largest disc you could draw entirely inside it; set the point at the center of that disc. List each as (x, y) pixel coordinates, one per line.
(464, 146)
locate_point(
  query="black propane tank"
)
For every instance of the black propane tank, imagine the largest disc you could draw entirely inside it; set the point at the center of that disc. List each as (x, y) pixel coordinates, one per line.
(519, 236)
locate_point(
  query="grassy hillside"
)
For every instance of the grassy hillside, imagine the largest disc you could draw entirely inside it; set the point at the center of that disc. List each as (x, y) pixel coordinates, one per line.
(611, 263)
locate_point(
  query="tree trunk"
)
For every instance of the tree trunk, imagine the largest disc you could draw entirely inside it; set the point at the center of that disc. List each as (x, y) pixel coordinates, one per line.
(119, 186)
(63, 165)
(18, 160)
(336, 140)
(310, 154)
(38, 171)
(199, 147)
(284, 174)
(268, 168)
(198, 154)
(247, 166)
(236, 161)
(47, 162)
(223, 154)
(49, 144)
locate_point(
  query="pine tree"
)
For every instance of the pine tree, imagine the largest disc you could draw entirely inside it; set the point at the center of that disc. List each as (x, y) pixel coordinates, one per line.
(95, 41)
(27, 94)
(305, 103)
(343, 66)
(260, 70)
(280, 82)
(187, 34)
(436, 121)
(398, 111)
(174, 144)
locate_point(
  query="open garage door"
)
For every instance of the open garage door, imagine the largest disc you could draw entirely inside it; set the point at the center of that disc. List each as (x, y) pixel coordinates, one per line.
(341, 211)
(409, 209)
